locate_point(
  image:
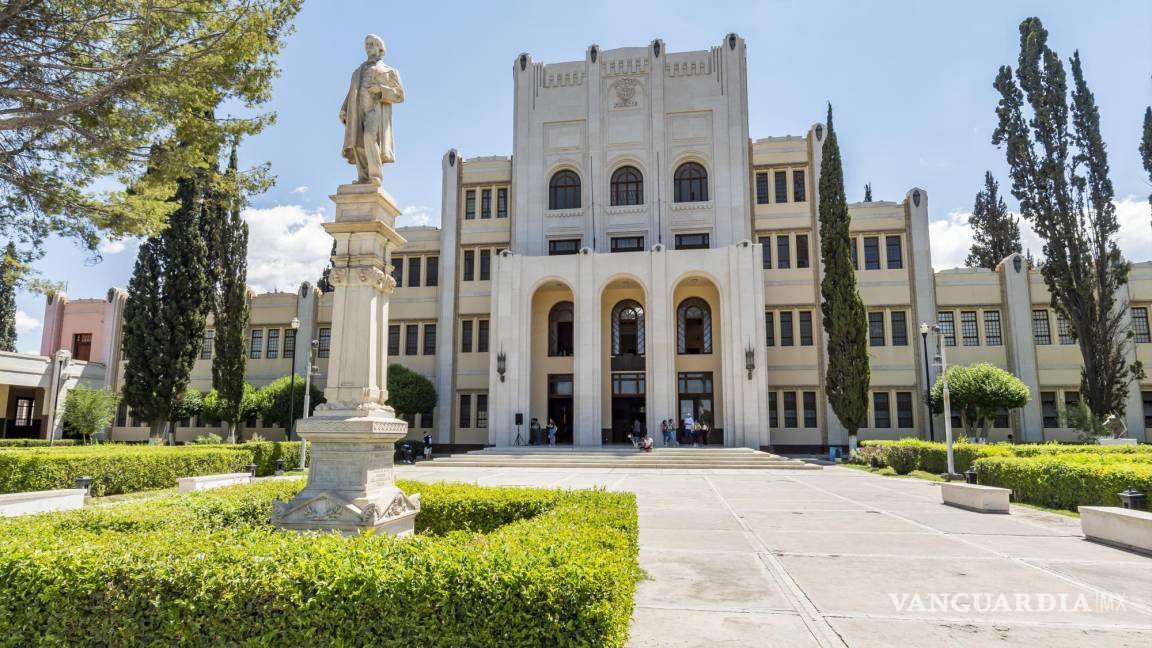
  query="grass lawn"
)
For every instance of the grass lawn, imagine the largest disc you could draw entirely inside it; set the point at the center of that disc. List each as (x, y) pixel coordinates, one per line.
(888, 472)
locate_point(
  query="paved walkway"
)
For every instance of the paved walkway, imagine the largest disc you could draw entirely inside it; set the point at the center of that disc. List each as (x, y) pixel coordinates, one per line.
(845, 558)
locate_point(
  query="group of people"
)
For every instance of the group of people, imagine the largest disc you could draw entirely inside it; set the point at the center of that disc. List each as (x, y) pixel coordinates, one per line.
(537, 434)
(694, 432)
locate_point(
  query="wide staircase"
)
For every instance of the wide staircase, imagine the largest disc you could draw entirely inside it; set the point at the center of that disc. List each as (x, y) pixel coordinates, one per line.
(620, 457)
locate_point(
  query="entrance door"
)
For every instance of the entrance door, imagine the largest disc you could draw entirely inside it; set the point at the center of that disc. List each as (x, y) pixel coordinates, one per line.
(695, 388)
(628, 393)
(560, 406)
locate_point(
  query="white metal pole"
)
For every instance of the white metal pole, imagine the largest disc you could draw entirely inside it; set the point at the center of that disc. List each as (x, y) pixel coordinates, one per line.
(947, 405)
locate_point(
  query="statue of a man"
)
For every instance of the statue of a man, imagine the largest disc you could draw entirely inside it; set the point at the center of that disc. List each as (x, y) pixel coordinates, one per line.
(367, 114)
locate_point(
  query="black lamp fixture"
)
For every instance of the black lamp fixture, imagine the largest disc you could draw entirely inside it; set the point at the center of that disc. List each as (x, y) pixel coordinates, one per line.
(1016, 262)
(750, 360)
(1133, 499)
(916, 197)
(84, 483)
(819, 131)
(924, 330)
(501, 364)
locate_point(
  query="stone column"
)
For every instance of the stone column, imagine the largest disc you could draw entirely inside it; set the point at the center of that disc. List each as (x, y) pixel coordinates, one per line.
(350, 485)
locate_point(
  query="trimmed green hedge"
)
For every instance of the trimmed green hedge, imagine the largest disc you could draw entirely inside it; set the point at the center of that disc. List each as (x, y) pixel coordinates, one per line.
(547, 568)
(933, 456)
(1068, 480)
(34, 443)
(265, 454)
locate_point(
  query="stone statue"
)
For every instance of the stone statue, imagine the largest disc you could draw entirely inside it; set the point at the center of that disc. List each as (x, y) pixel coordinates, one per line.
(367, 114)
(1115, 426)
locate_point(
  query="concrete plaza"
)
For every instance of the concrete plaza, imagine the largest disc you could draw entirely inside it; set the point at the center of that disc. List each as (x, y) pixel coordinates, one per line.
(840, 557)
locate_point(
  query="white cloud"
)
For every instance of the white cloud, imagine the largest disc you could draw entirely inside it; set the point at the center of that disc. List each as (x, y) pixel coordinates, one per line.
(414, 216)
(116, 246)
(952, 235)
(286, 246)
(302, 189)
(25, 323)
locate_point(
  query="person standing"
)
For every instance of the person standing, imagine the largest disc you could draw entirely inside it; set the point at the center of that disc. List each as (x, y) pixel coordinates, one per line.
(704, 434)
(534, 432)
(551, 433)
(664, 432)
(690, 430)
(428, 446)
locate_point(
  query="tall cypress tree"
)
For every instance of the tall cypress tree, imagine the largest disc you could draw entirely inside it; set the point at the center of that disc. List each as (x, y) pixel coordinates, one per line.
(9, 273)
(230, 307)
(995, 232)
(1060, 176)
(1146, 146)
(845, 322)
(168, 299)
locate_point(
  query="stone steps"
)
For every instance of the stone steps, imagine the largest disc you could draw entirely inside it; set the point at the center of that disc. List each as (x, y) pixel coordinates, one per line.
(617, 457)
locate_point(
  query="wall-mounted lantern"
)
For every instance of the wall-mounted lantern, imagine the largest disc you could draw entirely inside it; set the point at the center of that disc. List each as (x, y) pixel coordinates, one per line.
(819, 131)
(916, 197)
(501, 364)
(750, 360)
(1016, 262)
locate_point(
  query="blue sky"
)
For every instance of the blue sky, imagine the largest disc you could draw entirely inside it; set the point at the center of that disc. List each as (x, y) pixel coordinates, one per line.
(911, 84)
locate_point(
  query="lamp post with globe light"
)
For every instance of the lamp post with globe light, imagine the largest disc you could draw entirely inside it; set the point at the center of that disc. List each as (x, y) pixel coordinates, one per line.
(924, 330)
(942, 362)
(292, 382)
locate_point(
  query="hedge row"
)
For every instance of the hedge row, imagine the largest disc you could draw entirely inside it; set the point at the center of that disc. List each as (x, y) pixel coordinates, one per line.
(35, 443)
(1066, 481)
(906, 455)
(117, 469)
(549, 568)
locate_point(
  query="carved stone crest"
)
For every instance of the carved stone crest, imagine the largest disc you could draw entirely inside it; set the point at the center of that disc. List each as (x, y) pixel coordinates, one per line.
(626, 90)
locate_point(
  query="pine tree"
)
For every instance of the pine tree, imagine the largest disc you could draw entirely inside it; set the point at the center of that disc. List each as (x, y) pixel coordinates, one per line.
(1146, 146)
(230, 308)
(868, 192)
(1060, 176)
(845, 323)
(168, 300)
(995, 232)
(9, 274)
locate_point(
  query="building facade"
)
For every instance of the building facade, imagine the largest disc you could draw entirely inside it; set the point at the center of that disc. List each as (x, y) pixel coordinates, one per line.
(640, 258)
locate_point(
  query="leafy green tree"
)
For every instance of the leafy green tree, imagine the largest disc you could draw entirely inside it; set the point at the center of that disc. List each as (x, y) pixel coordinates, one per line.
(168, 300)
(995, 233)
(845, 323)
(275, 398)
(215, 408)
(1146, 146)
(9, 274)
(979, 392)
(104, 89)
(1059, 171)
(88, 411)
(189, 404)
(409, 393)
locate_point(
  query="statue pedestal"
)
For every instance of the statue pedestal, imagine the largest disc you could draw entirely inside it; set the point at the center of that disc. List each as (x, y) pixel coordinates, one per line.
(350, 483)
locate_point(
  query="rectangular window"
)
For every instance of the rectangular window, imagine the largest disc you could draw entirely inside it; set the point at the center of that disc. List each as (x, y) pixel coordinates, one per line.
(432, 272)
(876, 329)
(899, 328)
(881, 413)
(904, 409)
(122, 414)
(82, 346)
(781, 179)
(485, 265)
(393, 339)
(206, 345)
(273, 349)
(786, 328)
(770, 327)
(482, 336)
(766, 252)
(628, 244)
(762, 188)
(773, 414)
(895, 253)
(414, 272)
(810, 409)
(947, 322)
(428, 419)
(871, 253)
(1041, 328)
(559, 247)
(469, 265)
(1140, 325)
(692, 241)
(969, 329)
(289, 342)
(783, 252)
(411, 339)
(470, 204)
(1146, 397)
(429, 339)
(481, 410)
(398, 271)
(993, 333)
(1071, 401)
(1048, 409)
(501, 205)
(805, 328)
(789, 409)
(256, 345)
(465, 410)
(1064, 330)
(1000, 418)
(486, 203)
(323, 343)
(799, 188)
(466, 336)
(801, 250)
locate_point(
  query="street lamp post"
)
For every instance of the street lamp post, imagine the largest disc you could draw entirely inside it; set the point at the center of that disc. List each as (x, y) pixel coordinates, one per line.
(924, 329)
(308, 396)
(292, 381)
(947, 402)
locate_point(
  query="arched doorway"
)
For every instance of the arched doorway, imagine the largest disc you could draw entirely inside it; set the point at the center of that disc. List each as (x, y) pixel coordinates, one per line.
(698, 361)
(625, 379)
(552, 363)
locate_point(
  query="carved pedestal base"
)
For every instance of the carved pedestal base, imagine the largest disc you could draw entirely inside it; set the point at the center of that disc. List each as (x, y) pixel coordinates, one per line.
(350, 484)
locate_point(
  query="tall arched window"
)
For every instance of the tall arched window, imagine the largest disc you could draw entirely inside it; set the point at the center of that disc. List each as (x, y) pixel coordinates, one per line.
(690, 183)
(560, 342)
(628, 328)
(693, 327)
(627, 186)
(564, 190)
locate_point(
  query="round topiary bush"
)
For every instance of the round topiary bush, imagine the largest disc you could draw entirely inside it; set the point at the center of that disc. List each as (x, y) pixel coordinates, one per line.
(901, 458)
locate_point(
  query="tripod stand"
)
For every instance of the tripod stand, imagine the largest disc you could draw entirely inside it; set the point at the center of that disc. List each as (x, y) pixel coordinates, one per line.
(519, 438)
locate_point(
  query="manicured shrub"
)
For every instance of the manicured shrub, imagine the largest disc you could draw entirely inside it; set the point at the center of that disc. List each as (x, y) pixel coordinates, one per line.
(1066, 481)
(902, 458)
(265, 454)
(208, 569)
(35, 443)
